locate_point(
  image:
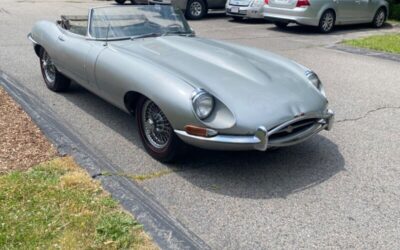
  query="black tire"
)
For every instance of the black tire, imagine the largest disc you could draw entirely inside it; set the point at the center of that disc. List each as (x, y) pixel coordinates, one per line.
(281, 25)
(57, 82)
(195, 9)
(379, 18)
(174, 146)
(237, 18)
(120, 1)
(133, 2)
(327, 21)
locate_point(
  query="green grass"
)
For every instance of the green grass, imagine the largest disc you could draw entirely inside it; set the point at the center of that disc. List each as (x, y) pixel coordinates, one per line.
(387, 43)
(57, 205)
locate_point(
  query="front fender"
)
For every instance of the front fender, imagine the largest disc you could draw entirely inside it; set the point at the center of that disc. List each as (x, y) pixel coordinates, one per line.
(117, 74)
(45, 34)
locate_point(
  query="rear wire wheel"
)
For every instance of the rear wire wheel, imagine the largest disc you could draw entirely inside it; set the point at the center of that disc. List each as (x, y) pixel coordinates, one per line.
(54, 80)
(157, 134)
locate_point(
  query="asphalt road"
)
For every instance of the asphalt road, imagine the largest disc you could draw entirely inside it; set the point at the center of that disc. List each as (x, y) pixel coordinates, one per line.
(340, 189)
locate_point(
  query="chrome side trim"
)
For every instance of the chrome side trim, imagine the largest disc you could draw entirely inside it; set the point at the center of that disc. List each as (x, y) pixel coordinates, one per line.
(31, 39)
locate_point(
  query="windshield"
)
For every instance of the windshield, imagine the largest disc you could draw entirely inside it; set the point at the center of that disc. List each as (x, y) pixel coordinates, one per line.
(119, 22)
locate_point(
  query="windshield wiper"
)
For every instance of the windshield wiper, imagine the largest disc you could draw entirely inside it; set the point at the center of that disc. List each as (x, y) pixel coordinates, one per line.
(152, 34)
(180, 33)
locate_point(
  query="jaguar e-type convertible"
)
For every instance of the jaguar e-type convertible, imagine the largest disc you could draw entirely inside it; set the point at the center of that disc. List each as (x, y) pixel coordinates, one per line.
(147, 61)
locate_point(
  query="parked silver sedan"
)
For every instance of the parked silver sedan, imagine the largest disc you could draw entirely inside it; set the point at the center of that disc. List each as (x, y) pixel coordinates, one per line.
(239, 9)
(182, 88)
(325, 14)
(193, 9)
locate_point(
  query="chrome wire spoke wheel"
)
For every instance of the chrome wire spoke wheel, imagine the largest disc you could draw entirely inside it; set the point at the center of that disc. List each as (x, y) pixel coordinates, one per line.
(327, 21)
(156, 127)
(195, 9)
(48, 68)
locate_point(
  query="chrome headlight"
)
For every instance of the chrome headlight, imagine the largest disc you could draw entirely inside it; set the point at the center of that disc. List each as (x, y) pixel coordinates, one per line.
(203, 104)
(314, 79)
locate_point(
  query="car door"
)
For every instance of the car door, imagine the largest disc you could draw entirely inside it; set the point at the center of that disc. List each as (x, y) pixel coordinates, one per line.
(363, 9)
(347, 11)
(72, 56)
(216, 4)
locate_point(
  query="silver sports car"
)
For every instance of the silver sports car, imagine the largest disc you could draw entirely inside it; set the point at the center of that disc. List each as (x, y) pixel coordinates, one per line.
(147, 61)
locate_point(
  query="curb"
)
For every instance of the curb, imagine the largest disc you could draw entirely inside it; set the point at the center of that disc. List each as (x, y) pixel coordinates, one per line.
(166, 231)
(366, 52)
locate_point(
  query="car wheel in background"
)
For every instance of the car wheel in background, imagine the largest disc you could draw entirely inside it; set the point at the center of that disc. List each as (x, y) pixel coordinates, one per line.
(327, 21)
(157, 135)
(120, 1)
(281, 25)
(54, 80)
(379, 18)
(196, 9)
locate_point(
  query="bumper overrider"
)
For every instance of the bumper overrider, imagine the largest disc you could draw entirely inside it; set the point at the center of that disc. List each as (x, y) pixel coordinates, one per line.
(289, 133)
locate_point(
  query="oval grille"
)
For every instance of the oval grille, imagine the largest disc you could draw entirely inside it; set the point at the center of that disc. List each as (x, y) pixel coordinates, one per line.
(294, 128)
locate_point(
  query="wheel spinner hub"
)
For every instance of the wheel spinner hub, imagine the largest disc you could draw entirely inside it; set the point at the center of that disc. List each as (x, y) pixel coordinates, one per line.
(156, 127)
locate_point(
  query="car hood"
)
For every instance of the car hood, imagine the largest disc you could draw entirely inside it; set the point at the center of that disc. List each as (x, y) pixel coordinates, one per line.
(259, 88)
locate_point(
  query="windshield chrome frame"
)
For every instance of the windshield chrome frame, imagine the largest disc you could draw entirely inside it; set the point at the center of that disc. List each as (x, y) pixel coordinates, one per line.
(90, 37)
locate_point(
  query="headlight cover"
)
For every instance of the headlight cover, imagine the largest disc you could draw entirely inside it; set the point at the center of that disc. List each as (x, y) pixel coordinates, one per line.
(314, 79)
(203, 104)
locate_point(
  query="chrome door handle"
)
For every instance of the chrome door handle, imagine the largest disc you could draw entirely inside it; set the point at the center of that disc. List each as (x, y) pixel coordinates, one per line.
(61, 38)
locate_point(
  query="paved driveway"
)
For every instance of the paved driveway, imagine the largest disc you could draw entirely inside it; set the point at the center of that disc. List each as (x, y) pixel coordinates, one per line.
(340, 189)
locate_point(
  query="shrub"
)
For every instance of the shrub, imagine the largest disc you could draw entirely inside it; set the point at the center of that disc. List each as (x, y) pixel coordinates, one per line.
(394, 6)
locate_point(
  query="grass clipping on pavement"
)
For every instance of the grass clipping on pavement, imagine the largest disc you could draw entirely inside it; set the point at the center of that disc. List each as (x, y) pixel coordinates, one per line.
(57, 205)
(387, 43)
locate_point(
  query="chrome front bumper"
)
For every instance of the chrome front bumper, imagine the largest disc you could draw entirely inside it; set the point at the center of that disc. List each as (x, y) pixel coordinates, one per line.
(262, 139)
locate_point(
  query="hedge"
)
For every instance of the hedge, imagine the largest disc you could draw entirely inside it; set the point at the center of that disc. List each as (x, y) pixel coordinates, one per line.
(394, 9)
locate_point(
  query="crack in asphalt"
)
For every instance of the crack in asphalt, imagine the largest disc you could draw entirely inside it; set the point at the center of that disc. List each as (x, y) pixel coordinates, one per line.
(367, 114)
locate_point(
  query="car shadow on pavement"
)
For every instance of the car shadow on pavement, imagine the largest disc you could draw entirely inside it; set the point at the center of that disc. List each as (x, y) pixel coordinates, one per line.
(249, 21)
(109, 115)
(276, 173)
(213, 15)
(338, 30)
(264, 175)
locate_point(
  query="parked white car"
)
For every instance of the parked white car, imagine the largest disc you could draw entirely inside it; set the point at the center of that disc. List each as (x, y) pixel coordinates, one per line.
(239, 9)
(325, 14)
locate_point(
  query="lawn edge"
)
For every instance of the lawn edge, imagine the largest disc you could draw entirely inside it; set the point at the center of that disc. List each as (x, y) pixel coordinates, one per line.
(366, 52)
(166, 231)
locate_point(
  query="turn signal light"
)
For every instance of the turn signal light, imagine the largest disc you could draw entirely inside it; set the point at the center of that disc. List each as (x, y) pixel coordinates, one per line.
(199, 131)
(302, 3)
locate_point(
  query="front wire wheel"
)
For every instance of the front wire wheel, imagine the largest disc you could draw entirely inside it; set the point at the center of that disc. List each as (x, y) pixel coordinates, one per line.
(157, 134)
